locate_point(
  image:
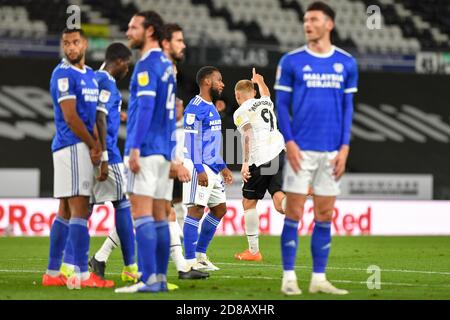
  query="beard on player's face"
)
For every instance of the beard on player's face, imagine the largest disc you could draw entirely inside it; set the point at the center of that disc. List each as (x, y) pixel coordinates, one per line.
(215, 93)
(137, 42)
(178, 57)
(74, 59)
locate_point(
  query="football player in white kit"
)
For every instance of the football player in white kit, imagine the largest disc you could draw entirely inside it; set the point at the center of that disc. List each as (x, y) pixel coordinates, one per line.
(263, 156)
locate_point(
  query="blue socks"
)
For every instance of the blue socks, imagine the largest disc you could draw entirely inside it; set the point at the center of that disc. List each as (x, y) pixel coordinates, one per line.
(146, 242)
(68, 253)
(125, 230)
(289, 243)
(320, 245)
(79, 237)
(58, 239)
(207, 232)
(162, 248)
(190, 232)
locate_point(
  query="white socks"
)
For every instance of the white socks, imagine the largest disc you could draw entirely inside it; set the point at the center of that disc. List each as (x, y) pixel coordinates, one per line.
(318, 277)
(176, 251)
(108, 246)
(251, 219)
(180, 211)
(289, 275)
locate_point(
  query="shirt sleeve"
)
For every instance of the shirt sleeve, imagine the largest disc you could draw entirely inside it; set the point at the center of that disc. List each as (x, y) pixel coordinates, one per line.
(240, 118)
(193, 124)
(104, 98)
(285, 75)
(351, 83)
(147, 81)
(283, 96)
(65, 85)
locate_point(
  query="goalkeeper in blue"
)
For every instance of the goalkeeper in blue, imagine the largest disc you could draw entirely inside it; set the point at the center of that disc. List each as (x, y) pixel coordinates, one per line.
(314, 95)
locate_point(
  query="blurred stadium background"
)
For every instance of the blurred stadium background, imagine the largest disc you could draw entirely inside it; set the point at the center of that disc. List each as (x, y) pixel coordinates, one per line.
(398, 171)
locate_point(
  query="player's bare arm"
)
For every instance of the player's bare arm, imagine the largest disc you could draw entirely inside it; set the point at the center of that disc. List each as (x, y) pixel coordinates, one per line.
(246, 147)
(202, 179)
(177, 170)
(133, 161)
(227, 176)
(259, 80)
(77, 126)
(340, 161)
(102, 129)
(293, 155)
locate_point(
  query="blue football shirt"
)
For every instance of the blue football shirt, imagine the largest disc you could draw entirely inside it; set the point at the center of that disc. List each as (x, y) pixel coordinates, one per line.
(318, 84)
(203, 135)
(153, 78)
(69, 82)
(110, 103)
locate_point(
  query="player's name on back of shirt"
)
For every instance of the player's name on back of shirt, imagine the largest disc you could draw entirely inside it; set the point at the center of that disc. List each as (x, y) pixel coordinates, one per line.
(260, 102)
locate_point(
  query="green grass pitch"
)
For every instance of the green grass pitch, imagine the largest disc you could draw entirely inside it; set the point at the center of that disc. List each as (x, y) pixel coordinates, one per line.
(411, 268)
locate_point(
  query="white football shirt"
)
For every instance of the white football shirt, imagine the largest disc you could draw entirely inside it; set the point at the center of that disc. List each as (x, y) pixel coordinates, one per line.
(267, 141)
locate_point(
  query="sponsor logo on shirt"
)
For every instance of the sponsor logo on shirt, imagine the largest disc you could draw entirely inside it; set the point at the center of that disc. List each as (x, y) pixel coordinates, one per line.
(323, 80)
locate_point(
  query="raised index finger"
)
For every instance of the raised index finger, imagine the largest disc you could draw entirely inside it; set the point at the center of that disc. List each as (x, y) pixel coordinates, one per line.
(254, 71)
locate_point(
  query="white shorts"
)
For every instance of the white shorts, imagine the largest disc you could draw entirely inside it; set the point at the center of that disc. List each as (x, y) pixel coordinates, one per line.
(152, 180)
(316, 172)
(73, 172)
(210, 196)
(113, 188)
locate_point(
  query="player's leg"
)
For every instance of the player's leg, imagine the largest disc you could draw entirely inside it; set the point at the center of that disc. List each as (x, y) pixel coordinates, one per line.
(252, 191)
(58, 238)
(207, 231)
(59, 233)
(325, 191)
(142, 212)
(162, 241)
(279, 201)
(251, 226)
(68, 266)
(79, 237)
(190, 231)
(185, 271)
(289, 241)
(195, 197)
(141, 188)
(112, 189)
(98, 261)
(296, 186)
(177, 202)
(176, 250)
(276, 184)
(125, 238)
(218, 208)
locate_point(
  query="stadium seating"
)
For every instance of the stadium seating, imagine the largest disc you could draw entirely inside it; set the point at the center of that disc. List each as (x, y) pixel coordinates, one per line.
(15, 23)
(407, 26)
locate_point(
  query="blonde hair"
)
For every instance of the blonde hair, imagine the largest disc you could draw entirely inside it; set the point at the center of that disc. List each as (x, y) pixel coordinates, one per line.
(244, 86)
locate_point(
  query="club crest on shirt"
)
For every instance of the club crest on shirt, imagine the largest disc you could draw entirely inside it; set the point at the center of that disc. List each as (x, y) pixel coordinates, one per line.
(143, 78)
(190, 118)
(338, 67)
(63, 84)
